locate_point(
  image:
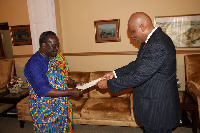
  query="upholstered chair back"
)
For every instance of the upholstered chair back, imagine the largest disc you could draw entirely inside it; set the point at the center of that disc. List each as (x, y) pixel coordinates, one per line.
(80, 76)
(192, 69)
(97, 92)
(6, 71)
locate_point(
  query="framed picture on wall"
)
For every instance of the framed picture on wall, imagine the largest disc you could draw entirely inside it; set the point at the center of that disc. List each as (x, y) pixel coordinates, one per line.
(184, 30)
(107, 31)
(21, 35)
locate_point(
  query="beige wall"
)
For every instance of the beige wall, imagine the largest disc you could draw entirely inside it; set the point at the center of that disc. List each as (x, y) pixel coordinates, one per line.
(75, 25)
(58, 23)
(15, 12)
(78, 16)
(77, 19)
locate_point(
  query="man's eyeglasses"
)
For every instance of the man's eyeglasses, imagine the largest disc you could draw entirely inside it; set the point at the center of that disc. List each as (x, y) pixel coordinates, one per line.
(55, 46)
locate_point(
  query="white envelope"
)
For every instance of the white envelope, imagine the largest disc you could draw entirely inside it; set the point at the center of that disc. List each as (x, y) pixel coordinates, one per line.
(88, 85)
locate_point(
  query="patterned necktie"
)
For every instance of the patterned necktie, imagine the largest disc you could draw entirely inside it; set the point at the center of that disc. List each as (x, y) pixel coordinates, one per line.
(144, 44)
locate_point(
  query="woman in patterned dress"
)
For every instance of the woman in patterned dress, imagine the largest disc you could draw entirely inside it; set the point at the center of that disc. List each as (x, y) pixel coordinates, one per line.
(47, 76)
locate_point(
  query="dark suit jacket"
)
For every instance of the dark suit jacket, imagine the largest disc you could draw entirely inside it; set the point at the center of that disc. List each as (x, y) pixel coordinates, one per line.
(153, 77)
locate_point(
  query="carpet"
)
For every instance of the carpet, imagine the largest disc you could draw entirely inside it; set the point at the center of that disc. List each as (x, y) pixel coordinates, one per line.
(11, 125)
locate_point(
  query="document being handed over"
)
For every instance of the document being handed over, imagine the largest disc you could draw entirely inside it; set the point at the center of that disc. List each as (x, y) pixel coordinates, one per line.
(88, 85)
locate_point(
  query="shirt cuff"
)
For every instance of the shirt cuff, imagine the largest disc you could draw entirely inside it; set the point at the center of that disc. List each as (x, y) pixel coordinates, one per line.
(115, 73)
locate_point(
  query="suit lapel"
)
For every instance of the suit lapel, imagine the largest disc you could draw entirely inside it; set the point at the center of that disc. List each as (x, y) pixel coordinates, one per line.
(140, 54)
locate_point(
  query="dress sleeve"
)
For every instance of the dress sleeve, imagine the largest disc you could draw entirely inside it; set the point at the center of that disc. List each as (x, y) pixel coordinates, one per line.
(36, 76)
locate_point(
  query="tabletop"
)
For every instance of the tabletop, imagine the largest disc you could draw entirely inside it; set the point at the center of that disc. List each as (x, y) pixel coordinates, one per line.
(7, 97)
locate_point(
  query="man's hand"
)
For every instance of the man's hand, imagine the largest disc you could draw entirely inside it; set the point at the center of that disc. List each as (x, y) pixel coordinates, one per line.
(75, 92)
(108, 76)
(102, 84)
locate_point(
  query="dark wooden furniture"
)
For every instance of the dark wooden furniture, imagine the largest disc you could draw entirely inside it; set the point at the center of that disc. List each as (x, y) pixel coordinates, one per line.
(3, 26)
(189, 112)
(12, 99)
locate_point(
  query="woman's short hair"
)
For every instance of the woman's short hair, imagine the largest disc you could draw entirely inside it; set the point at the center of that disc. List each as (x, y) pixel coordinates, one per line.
(44, 36)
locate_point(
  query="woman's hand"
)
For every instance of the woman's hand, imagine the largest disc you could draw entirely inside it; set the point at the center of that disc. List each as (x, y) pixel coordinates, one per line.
(79, 84)
(75, 92)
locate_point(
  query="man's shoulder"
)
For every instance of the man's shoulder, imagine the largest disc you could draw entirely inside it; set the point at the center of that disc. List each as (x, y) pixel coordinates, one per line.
(159, 33)
(37, 60)
(34, 59)
(60, 57)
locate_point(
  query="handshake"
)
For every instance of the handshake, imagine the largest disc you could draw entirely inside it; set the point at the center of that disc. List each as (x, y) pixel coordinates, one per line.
(100, 82)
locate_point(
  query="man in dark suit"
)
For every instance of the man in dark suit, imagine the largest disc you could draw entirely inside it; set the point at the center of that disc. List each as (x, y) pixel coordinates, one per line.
(152, 75)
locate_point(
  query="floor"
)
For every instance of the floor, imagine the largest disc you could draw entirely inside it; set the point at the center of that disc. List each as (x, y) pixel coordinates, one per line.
(11, 125)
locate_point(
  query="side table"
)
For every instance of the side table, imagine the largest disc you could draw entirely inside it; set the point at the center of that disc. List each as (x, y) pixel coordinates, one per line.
(189, 111)
(8, 98)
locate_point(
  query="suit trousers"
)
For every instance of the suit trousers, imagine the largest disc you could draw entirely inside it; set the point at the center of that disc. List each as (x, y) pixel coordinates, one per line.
(148, 130)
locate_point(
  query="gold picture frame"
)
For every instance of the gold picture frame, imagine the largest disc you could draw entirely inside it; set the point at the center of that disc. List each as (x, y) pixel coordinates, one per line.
(184, 30)
(21, 35)
(107, 30)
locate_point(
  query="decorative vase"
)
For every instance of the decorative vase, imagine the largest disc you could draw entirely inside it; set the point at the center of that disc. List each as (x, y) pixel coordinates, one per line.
(15, 89)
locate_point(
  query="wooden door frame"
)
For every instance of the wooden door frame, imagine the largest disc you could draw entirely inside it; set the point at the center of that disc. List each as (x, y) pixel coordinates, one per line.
(3, 26)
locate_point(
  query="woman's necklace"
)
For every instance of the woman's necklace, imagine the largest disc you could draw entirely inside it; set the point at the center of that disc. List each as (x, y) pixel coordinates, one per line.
(42, 54)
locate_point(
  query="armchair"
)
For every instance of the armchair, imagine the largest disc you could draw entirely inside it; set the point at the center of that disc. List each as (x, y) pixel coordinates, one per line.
(6, 74)
(192, 77)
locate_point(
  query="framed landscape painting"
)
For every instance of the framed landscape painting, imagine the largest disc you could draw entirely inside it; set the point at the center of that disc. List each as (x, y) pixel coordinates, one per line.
(107, 31)
(184, 30)
(21, 35)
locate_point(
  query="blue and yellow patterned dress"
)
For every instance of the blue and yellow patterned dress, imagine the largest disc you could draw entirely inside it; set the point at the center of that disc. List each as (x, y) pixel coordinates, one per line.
(50, 115)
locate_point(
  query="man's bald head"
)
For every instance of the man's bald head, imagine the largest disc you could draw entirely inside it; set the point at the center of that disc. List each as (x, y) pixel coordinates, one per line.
(140, 18)
(140, 25)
